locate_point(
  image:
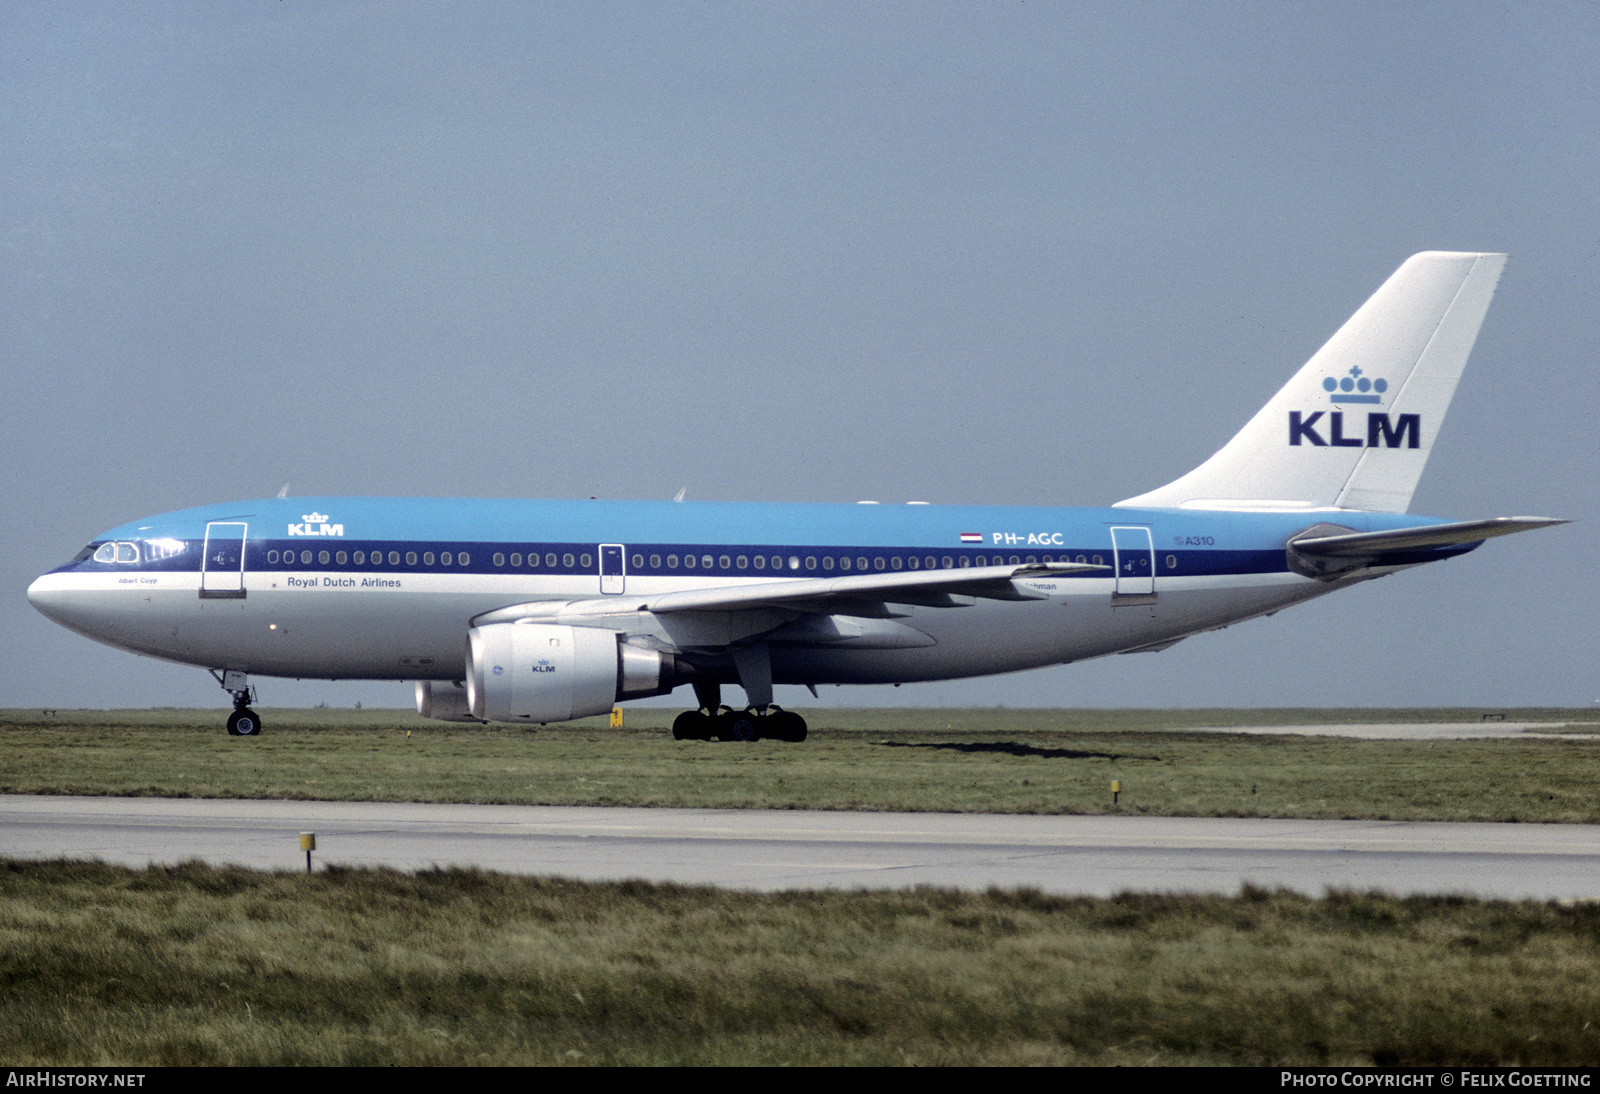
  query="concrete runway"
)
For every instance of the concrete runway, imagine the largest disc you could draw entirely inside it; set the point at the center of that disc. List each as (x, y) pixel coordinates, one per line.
(768, 851)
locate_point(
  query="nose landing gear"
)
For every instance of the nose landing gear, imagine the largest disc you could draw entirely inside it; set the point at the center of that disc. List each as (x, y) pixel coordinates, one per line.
(243, 722)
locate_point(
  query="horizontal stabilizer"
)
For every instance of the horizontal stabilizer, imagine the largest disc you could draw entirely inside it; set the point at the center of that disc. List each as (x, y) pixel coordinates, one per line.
(1361, 544)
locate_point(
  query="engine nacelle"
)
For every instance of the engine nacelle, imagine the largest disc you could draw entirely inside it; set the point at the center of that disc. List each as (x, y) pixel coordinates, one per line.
(539, 672)
(443, 702)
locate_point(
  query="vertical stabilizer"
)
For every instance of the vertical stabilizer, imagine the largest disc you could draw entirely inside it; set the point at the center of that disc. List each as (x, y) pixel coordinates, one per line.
(1354, 427)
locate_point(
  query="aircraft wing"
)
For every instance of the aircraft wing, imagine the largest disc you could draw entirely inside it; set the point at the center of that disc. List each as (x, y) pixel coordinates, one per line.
(826, 595)
(916, 587)
(1356, 544)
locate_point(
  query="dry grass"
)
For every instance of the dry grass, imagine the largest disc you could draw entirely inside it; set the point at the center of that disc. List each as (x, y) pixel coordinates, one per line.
(195, 965)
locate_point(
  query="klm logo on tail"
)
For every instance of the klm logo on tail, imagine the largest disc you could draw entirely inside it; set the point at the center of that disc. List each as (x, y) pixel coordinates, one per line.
(1404, 432)
(1355, 388)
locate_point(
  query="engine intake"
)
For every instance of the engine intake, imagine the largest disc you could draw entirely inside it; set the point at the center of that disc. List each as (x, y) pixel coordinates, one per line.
(539, 672)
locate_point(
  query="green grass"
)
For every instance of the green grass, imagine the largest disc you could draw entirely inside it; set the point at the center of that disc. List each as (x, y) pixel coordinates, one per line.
(101, 965)
(993, 761)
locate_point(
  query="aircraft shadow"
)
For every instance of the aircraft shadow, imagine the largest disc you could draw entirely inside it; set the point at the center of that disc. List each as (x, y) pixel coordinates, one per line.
(1014, 748)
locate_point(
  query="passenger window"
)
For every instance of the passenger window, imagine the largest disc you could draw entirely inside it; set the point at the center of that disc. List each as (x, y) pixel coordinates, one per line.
(1172, 562)
(1097, 560)
(411, 558)
(861, 562)
(445, 559)
(361, 557)
(587, 560)
(638, 562)
(672, 562)
(323, 558)
(947, 562)
(705, 560)
(655, 562)
(877, 563)
(500, 559)
(305, 558)
(550, 559)
(811, 562)
(724, 561)
(272, 556)
(983, 560)
(688, 562)
(895, 563)
(427, 558)
(743, 563)
(566, 560)
(464, 559)
(827, 562)
(844, 562)
(341, 558)
(913, 562)
(761, 562)
(930, 563)
(965, 562)
(516, 560)
(394, 558)
(777, 562)
(1015, 561)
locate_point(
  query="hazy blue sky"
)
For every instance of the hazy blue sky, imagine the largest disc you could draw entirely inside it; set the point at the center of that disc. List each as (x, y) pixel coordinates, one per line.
(1004, 253)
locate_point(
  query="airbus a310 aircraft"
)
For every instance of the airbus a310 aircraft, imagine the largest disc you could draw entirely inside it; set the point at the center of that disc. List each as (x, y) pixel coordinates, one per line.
(542, 611)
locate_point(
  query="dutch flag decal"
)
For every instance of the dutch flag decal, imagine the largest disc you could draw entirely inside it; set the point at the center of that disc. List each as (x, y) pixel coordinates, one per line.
(971, 537)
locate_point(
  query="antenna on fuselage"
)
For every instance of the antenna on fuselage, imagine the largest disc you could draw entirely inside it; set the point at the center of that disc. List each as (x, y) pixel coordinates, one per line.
(284, 492)
(681, 492)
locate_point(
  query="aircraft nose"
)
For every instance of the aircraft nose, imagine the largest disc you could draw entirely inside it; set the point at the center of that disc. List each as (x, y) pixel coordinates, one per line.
(51, 596)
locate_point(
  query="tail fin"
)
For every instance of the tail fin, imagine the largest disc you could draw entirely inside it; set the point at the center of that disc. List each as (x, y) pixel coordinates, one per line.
(1354, 427)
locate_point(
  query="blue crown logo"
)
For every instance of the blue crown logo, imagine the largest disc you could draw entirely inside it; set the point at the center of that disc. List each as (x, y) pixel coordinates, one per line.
(1355, 388)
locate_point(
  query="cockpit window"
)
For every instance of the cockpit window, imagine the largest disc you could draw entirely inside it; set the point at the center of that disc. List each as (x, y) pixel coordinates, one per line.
(114, 552)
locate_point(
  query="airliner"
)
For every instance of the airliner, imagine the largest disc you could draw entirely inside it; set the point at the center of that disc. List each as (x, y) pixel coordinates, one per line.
(542, 611)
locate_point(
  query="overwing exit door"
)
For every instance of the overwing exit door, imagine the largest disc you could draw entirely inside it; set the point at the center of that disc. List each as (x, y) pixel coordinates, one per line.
(613, 577)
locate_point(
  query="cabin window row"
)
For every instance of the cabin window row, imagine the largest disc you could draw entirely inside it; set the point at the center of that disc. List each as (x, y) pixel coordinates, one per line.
(376, 558)
(782, 563)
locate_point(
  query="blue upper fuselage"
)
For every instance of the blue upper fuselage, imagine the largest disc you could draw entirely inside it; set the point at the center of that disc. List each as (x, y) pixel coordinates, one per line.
(276, 531)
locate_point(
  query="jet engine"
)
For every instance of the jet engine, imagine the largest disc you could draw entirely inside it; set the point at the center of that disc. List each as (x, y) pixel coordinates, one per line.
(539, 672)
(443, 702)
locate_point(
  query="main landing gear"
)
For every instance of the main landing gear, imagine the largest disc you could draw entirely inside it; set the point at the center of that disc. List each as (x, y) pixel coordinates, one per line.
(770, 722)
(243, 722)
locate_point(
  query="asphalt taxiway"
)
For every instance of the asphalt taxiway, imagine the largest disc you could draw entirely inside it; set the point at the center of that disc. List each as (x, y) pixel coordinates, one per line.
(760, 850)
